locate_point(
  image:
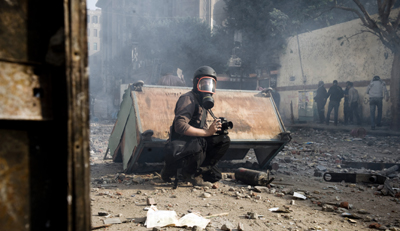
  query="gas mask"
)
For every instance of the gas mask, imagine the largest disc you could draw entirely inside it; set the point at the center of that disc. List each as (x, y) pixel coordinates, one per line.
(206, 87)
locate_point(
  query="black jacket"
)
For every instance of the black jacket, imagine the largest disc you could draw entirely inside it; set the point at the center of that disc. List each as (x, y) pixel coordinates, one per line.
(335, 93)
(321, 95)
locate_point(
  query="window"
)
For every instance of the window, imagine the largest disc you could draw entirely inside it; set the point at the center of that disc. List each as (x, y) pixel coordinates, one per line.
(88, 18)
(88, 46)
(88, 32)
(94, 19)
(95, 46)
(95, 32)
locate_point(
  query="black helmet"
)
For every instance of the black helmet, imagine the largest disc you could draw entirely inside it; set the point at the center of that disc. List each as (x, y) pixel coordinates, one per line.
(376, 78)
(203, 71)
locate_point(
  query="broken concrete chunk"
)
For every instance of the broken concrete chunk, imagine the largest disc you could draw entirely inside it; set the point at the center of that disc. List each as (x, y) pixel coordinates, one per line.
(228, 226)
(151, 201)
(196, 228)
(328, 208)
(240, 227)
(206, 195)
(287, 190)
(363, 211)
(137, 180)
(112, 221)
(260, 189)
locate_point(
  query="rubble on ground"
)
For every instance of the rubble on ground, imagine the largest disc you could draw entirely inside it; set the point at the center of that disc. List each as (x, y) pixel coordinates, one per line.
(298, 198)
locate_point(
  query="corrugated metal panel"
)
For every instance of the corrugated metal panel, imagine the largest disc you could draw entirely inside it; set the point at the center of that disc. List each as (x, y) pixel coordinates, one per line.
(14, 30)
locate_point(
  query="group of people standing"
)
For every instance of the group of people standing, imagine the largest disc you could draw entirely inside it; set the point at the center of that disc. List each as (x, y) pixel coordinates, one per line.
(376, 91)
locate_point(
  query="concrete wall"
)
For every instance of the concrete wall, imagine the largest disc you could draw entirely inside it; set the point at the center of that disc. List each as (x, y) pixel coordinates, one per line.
(355, 57)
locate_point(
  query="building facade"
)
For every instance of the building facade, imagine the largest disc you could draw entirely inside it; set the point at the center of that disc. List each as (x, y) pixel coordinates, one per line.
(118, 20)
(93, 33)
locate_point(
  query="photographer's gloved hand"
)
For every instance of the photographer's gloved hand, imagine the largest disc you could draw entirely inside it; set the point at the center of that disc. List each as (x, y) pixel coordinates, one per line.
(214, 127)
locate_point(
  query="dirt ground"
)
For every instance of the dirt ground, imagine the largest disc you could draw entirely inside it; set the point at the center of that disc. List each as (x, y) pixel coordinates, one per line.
(298, 168)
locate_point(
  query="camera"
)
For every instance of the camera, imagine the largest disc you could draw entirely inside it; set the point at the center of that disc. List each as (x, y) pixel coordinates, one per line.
(225, 126)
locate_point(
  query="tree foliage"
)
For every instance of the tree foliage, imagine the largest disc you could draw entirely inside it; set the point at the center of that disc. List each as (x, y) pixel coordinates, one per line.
(261, 27)
(387, 28)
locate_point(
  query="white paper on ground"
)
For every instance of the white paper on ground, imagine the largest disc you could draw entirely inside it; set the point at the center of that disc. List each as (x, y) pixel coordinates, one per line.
(273, 209)
(192, 219)
(298, 195)
(161, 218)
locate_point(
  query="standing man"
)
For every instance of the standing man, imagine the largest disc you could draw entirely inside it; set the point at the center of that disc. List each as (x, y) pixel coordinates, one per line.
(376, 91)
(353, 103)
(195, 147)
(346, 104)
(277, 97)
(320, 99)
(336, 94)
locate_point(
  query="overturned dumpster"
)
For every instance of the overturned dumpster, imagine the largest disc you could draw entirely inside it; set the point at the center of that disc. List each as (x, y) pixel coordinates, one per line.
(146, 114)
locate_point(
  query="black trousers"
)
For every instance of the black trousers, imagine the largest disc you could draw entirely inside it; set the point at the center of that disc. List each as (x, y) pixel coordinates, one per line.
(354, 110)
(333, 105)
(321, 111)
(201, 160)
(214, 148)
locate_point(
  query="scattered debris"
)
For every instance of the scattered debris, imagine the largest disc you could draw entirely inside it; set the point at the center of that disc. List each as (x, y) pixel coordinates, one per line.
(163, 218)
(279, 210)
(299, 195)
(151, 201)
(114, 220)
(228, 226)
(216, 215)
(101, 226)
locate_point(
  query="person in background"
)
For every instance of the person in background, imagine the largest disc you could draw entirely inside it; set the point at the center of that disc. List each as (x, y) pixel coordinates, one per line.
(376, 91)
(169, 79)
(353, 103)
(320, 99)
(335, 95)
(275, 95)
(346, 104)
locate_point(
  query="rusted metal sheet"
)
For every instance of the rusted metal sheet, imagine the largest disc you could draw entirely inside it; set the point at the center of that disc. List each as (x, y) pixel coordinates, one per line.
(257, 125)
(77, 79)
(14, 30)
(14, 180)
(253, 116)
(21, 95)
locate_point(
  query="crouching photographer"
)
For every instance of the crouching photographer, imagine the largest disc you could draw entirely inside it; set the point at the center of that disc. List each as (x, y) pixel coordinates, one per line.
(193, 147)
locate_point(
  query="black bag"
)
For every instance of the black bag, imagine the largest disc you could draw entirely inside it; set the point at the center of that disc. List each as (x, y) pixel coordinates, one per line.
(182, 146)
(178, 149)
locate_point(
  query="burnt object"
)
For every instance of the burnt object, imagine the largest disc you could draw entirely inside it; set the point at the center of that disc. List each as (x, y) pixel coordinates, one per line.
(354, 178)
(368, 165)
(253, 177)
